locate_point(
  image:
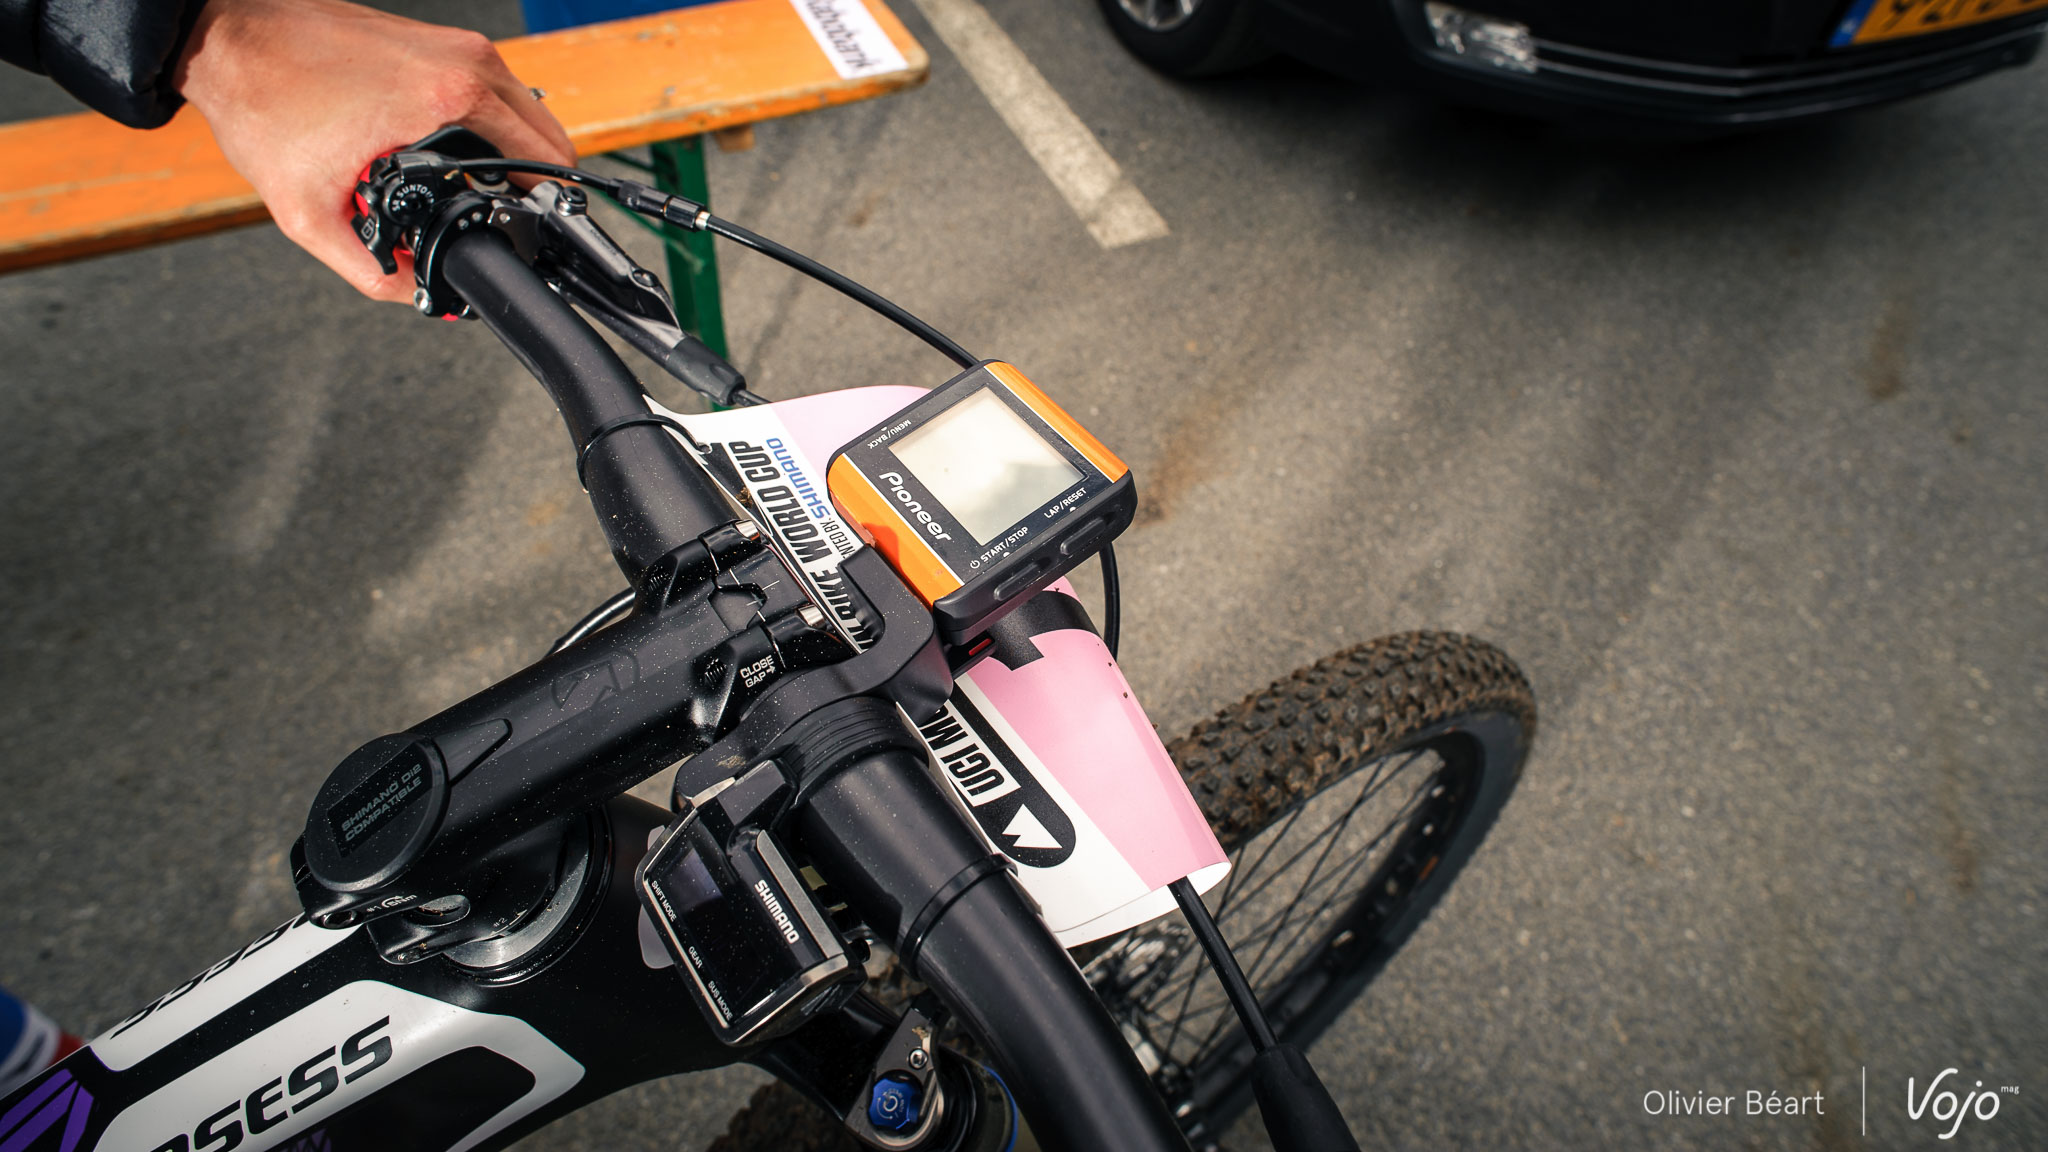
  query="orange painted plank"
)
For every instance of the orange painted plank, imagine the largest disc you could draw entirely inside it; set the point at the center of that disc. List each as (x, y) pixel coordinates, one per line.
(695, 69)
(77, 185)
(73, 186)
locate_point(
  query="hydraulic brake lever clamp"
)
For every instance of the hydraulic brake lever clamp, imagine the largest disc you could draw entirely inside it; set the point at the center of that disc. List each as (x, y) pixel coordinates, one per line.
(416, 199)
(590, 268)
(435, 297)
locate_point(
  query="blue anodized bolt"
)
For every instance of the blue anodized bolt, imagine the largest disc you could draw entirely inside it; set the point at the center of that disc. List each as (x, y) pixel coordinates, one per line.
(893, 1106)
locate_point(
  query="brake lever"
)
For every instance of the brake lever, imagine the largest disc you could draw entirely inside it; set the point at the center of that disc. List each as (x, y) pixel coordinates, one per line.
(592, 271)
(572, 241)
(410, 201)
(679, 353)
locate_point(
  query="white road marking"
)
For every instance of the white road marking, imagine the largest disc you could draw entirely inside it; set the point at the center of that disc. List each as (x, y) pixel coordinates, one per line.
(1115, 212)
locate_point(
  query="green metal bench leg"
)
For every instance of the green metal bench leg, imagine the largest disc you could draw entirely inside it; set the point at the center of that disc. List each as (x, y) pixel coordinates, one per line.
(692, 269)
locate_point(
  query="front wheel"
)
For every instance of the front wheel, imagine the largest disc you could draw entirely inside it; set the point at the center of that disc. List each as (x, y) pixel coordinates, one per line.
(1348, 796)
(1188, 38)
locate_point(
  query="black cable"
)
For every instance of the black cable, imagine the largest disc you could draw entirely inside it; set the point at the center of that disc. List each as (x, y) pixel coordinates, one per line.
(854, 289)
(606, 184)
(1112, 601)
(683, 212)
(603, 430)
(600, 616)
(1235, 985)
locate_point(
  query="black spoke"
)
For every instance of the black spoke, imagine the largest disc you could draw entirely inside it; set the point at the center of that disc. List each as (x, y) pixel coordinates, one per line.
(1230, 885)
(1276, 874)
(1197, 969)
(1183, 974)
(1340, 879)
(1274, 922)
(1330, 844)
(1371, 789)
(1337, 881)
(1313, 895)
(1181, 1014)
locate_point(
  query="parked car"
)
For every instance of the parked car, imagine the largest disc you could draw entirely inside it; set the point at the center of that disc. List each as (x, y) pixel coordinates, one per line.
(1712, 64)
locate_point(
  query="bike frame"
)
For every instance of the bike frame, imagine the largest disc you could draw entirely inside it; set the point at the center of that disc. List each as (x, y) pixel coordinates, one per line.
(341, 1030)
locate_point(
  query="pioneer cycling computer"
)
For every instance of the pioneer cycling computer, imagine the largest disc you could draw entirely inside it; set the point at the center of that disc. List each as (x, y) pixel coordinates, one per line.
(981, 493)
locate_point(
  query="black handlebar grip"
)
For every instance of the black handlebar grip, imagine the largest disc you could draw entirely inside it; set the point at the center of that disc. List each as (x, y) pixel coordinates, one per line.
(649, 496)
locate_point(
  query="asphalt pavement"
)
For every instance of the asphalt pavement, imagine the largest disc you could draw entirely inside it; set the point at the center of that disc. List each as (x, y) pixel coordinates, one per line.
(1740, 448)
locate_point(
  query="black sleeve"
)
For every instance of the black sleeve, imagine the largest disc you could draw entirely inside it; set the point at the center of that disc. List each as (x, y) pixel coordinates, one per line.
(115, 55)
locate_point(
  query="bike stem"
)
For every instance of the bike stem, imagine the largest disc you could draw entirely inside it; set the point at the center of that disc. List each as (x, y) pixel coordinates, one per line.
(1297, 1109)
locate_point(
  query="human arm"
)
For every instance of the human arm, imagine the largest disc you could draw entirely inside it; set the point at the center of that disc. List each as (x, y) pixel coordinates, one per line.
(115, 56)
(302, 94)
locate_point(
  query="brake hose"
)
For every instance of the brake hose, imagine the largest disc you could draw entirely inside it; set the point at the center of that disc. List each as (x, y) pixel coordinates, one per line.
(852, 288)
(599, 617)
(649, 201)
(1112, 600)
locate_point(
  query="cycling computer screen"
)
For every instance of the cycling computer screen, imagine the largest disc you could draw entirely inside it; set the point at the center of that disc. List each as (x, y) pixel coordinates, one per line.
(982, 493)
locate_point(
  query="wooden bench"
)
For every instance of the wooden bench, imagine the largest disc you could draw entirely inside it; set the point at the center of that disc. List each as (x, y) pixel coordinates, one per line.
(79, 185)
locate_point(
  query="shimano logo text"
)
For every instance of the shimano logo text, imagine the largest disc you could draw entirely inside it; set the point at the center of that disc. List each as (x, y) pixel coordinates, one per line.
(774, 907)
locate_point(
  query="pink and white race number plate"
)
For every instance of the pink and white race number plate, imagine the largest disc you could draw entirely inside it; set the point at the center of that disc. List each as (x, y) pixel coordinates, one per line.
(1043, 743)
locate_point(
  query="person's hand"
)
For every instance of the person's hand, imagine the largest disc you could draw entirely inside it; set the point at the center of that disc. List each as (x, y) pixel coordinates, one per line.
(301, 94)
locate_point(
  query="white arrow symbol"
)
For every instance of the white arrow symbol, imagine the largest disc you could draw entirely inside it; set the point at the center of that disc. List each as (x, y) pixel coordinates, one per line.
(1026, 832)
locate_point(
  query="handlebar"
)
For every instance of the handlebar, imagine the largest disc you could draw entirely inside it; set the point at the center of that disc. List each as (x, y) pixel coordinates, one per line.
(875, 823)
(648, 498)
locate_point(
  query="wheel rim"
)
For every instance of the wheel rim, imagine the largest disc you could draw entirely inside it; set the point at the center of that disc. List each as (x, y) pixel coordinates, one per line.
(1312, 901)
(1160, 15)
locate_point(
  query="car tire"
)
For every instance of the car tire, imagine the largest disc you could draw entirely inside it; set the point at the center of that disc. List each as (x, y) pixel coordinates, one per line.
(1188, 38)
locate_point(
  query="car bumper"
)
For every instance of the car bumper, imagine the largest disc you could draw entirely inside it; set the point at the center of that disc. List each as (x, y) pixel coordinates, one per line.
(1575, 83)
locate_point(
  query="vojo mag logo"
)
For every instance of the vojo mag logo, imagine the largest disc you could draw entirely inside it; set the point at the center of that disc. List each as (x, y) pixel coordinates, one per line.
(1949, 1099)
